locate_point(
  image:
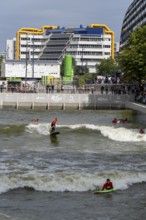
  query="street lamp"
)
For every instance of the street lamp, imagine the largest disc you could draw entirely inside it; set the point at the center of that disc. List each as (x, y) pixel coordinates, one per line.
(26, 60)
(33, 57)
(82, 59)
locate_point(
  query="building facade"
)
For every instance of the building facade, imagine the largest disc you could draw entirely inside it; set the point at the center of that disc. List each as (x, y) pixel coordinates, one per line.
(135, 16)
(22, 70)
(88, 45)
(10, 49)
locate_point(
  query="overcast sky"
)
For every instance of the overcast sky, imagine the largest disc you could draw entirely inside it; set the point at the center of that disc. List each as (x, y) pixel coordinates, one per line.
(15, 14)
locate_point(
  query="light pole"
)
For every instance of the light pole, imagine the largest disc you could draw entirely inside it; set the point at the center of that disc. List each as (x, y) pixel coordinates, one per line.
(7, 53)
(26, 60)
(82, 59)
(33, 57)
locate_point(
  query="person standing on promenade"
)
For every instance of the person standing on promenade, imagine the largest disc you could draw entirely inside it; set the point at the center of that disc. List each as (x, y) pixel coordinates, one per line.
(102, 89)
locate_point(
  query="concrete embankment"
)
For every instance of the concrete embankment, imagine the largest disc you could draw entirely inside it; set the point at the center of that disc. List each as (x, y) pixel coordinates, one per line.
(136, 106)
(63, 101)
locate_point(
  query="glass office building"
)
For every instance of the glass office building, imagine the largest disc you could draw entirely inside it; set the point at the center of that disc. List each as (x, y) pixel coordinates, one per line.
(135, 16)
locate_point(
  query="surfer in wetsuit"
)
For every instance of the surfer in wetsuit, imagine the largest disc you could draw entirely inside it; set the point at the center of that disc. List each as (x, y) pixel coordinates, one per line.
(124, 120)
(108, 185)
(35, 120)
(114, 121)
(141, 131)
(53, 125)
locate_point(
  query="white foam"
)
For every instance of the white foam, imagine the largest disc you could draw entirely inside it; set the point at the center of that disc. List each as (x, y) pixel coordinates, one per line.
(39, 128)
(79, 181)
(120, 134)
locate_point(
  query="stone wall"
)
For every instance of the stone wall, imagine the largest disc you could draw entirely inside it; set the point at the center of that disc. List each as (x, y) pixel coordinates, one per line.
(63, 101)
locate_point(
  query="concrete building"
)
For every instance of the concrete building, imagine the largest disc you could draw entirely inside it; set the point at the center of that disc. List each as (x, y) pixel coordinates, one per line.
(117, 48)
(88, 45)
(10, 49)
(20, 70)
(135, 16)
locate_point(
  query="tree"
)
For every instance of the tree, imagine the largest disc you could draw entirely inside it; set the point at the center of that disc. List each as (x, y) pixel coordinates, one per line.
(133, 57)
(81, 81)
(89, 77)
(81, 70)
(107, 67)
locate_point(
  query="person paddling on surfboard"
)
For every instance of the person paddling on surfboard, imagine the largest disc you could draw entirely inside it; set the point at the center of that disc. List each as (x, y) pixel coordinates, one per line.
(108, 185)
(114, 121)
(124, 120)
(141, 131)
(53, 125)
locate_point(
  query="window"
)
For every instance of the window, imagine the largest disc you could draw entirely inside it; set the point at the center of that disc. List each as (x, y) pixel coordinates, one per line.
(107, 46)
(107, 53)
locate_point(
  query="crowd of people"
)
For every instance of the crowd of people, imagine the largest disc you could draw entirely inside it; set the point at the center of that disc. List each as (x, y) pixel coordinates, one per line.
(116, 89)
(124, 89)
(141, 97)
(19, 87)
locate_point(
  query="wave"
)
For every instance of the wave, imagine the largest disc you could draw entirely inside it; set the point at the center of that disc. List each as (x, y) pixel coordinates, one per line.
(120, 134)
(72, 182)
(12, 129)
(39, 128)
(123, 134)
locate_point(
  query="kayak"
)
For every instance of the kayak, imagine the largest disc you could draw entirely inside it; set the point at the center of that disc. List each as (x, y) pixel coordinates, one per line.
(105, 191)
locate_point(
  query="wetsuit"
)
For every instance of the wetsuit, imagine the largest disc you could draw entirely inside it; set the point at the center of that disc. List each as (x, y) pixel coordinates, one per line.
(124, 120)
(114, 121)
(107, 185)
(141, 131)
(53, 124)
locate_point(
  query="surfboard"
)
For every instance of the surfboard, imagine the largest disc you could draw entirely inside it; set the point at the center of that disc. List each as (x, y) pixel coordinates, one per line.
(55, 133)
(105, 191)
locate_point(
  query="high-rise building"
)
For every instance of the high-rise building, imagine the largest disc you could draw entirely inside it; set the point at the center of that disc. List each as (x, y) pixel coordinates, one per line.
(135, 16)
(88, 45)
